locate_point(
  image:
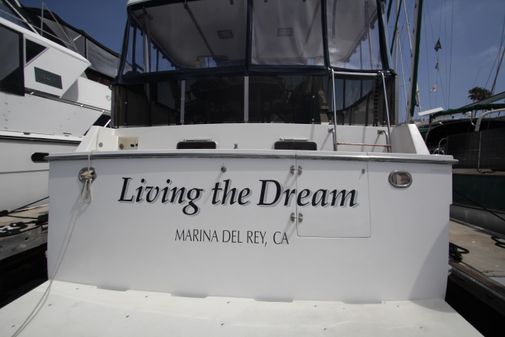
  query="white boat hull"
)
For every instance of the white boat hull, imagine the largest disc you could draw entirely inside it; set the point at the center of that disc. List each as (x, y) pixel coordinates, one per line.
(23, 181)
(250, 244)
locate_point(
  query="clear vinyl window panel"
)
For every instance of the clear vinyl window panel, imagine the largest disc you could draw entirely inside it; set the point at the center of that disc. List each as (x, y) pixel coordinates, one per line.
(353, 34)
(287, 32)
(214, 99)
(362, 101)
(153, 103)
(289, 99)
(272, 98)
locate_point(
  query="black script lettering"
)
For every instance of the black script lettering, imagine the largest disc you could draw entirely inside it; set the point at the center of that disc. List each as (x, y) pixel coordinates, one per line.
(173, 195)
(150, 189)
(303, 195)
(177, 192)
(352, 195)
(215, 193)
(320, 198)
(126, 181)
(244, 194)
(193, 195)
(230, 195)
(288, 194)
(165, 190)
(264, 192)
(140, 191)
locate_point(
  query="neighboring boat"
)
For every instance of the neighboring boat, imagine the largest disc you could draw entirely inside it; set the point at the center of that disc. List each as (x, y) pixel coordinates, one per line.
(46, 104)
(477, 141)
(253, 183)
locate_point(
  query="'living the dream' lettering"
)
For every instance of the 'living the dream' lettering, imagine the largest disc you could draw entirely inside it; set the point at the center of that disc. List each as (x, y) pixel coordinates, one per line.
(272, 193)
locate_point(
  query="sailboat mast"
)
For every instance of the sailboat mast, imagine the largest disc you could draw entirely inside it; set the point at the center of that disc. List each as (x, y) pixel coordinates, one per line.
(412, 101)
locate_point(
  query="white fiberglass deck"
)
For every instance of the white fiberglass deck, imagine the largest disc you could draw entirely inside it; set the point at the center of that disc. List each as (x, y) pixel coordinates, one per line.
(82, 310)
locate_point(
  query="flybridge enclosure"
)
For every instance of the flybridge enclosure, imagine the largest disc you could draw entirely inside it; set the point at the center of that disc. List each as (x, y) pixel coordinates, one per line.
(344, 34)
(253, 61)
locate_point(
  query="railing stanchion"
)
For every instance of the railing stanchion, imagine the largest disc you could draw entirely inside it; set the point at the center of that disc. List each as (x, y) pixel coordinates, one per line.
(334, 107)
(387, 108)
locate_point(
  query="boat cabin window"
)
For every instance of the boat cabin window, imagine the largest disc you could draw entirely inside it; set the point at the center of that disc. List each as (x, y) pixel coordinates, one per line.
(257, 61)
(32, 50)
(11, 61)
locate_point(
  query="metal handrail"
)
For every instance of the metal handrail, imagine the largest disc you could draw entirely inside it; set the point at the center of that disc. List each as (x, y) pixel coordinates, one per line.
(334, 106)
(481, 117)
(387, 106)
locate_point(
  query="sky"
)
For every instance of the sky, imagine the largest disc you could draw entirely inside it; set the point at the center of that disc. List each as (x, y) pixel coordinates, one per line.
(468, 55)
(470, 32)
(104, 20)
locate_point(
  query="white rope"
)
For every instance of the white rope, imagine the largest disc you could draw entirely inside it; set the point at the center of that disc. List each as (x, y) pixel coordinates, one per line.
(86, 177)
(81, 204)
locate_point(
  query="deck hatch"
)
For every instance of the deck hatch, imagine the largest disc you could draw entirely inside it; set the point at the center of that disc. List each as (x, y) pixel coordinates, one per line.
(332, 200)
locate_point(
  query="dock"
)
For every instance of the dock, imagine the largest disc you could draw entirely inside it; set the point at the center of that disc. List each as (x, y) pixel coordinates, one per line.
(23, 243)
(476, 284)
(23, 230)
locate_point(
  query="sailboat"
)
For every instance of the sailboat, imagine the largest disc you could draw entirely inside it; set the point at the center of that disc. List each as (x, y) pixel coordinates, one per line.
(253, 182)
(475, 140)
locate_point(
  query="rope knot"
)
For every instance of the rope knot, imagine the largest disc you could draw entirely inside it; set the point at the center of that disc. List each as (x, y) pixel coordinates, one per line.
(86, 176)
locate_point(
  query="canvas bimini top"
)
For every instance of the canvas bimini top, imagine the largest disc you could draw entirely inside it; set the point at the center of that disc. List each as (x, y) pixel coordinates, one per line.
(344, 34)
